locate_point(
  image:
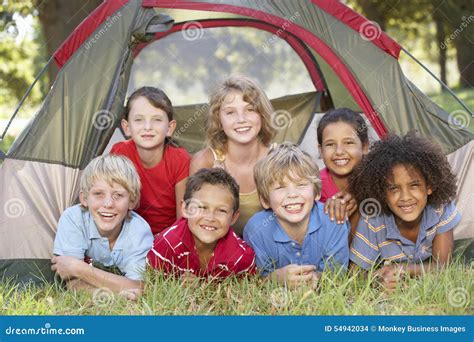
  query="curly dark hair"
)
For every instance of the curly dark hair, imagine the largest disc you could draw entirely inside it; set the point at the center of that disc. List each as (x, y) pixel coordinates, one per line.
(370, 178)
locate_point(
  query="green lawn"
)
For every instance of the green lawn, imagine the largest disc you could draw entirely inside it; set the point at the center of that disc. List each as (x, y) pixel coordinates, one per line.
(445, 293)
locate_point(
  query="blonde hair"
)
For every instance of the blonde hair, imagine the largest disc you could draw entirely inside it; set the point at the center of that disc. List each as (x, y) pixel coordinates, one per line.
(251, 93)
(112, 169)
(285, 160)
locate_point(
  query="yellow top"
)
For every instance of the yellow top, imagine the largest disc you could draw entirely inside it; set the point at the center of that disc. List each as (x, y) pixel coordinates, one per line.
(249, 203)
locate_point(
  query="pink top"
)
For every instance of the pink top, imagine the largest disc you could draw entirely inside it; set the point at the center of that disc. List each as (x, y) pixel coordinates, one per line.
(329, 188)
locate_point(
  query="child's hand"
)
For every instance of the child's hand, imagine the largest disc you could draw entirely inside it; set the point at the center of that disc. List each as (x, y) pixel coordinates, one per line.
(340, 206)
(295, 274)
(67, 267)
(389, 276)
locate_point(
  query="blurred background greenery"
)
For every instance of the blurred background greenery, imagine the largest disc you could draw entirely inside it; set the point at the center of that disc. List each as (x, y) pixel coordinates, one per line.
(440, 33)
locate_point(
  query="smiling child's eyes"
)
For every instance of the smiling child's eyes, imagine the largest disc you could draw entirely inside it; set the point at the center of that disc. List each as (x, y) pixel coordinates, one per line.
(392, 188)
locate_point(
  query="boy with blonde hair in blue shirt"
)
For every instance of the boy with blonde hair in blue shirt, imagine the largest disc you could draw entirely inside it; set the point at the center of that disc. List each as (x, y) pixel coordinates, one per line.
(293, 239)
(102, 233)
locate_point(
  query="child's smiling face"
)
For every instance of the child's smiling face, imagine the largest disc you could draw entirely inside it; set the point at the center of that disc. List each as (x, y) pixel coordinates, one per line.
(109, 205)
(341, 148)
(407, 193)
(210, 213)
(292, 201)
(147, 125)
(239, 119)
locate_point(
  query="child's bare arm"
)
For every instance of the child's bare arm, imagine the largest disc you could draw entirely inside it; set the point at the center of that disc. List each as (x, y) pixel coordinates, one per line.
(201, 159)
(442, 250)
(294, 274)
(443, 247)
(179, 189)
(70, 268)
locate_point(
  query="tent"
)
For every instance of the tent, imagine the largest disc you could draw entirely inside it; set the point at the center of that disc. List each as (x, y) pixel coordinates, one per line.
(346, 58)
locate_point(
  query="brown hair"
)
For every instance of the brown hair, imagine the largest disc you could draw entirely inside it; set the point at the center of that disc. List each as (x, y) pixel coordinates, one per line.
(215, 176)
(157, 99)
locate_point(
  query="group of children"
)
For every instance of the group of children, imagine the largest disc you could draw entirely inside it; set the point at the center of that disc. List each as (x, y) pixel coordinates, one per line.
(295, 221)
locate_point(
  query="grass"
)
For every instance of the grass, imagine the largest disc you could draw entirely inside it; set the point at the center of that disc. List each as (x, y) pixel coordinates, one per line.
(441, 293)
(446, 101)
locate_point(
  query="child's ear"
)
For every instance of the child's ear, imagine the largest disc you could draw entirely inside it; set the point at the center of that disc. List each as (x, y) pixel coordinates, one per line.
(235, 217)
(317, 197)
(171, 128)
(264, 203)
(183, 209)
(132, 205)
(83, 199)
(365, 148)
(430, 191)
(125, 127)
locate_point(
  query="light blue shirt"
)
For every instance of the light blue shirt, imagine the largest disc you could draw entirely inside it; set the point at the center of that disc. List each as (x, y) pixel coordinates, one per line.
(325, 242)
(378, 239)
(77, 236)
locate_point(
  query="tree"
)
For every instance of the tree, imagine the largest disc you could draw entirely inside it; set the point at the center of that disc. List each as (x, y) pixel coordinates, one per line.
(454, 22)
(459, 17)
(58, 19)
(21, 60)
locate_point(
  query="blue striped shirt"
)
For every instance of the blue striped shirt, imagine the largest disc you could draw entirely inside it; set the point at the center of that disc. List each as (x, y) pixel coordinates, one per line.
(378, 239)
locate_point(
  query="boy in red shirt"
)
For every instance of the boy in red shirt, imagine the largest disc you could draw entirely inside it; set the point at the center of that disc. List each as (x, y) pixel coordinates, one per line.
(201, 243)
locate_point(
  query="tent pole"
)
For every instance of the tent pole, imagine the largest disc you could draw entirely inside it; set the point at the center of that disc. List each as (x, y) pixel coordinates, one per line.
(24, 97)
(441, 82)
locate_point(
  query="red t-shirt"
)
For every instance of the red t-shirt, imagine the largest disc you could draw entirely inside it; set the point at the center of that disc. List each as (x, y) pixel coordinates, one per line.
(174, 252)
(328, 187)
(158, 197)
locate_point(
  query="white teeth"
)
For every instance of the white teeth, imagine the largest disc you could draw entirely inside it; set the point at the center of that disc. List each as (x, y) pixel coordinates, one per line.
(407, 207)
(107, 214)
(243, 129)
(341, 162)
(208, 228)
(293, 206)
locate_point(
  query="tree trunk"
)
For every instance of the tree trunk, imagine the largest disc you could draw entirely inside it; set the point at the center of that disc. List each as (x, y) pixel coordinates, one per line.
(373, 12)
(58, 19)
(465, 57)
(440, 40)
(459, 17)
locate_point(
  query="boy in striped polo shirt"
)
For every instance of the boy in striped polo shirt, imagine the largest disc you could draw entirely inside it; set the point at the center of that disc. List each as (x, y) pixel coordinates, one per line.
(201, 243)
(405, 189)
